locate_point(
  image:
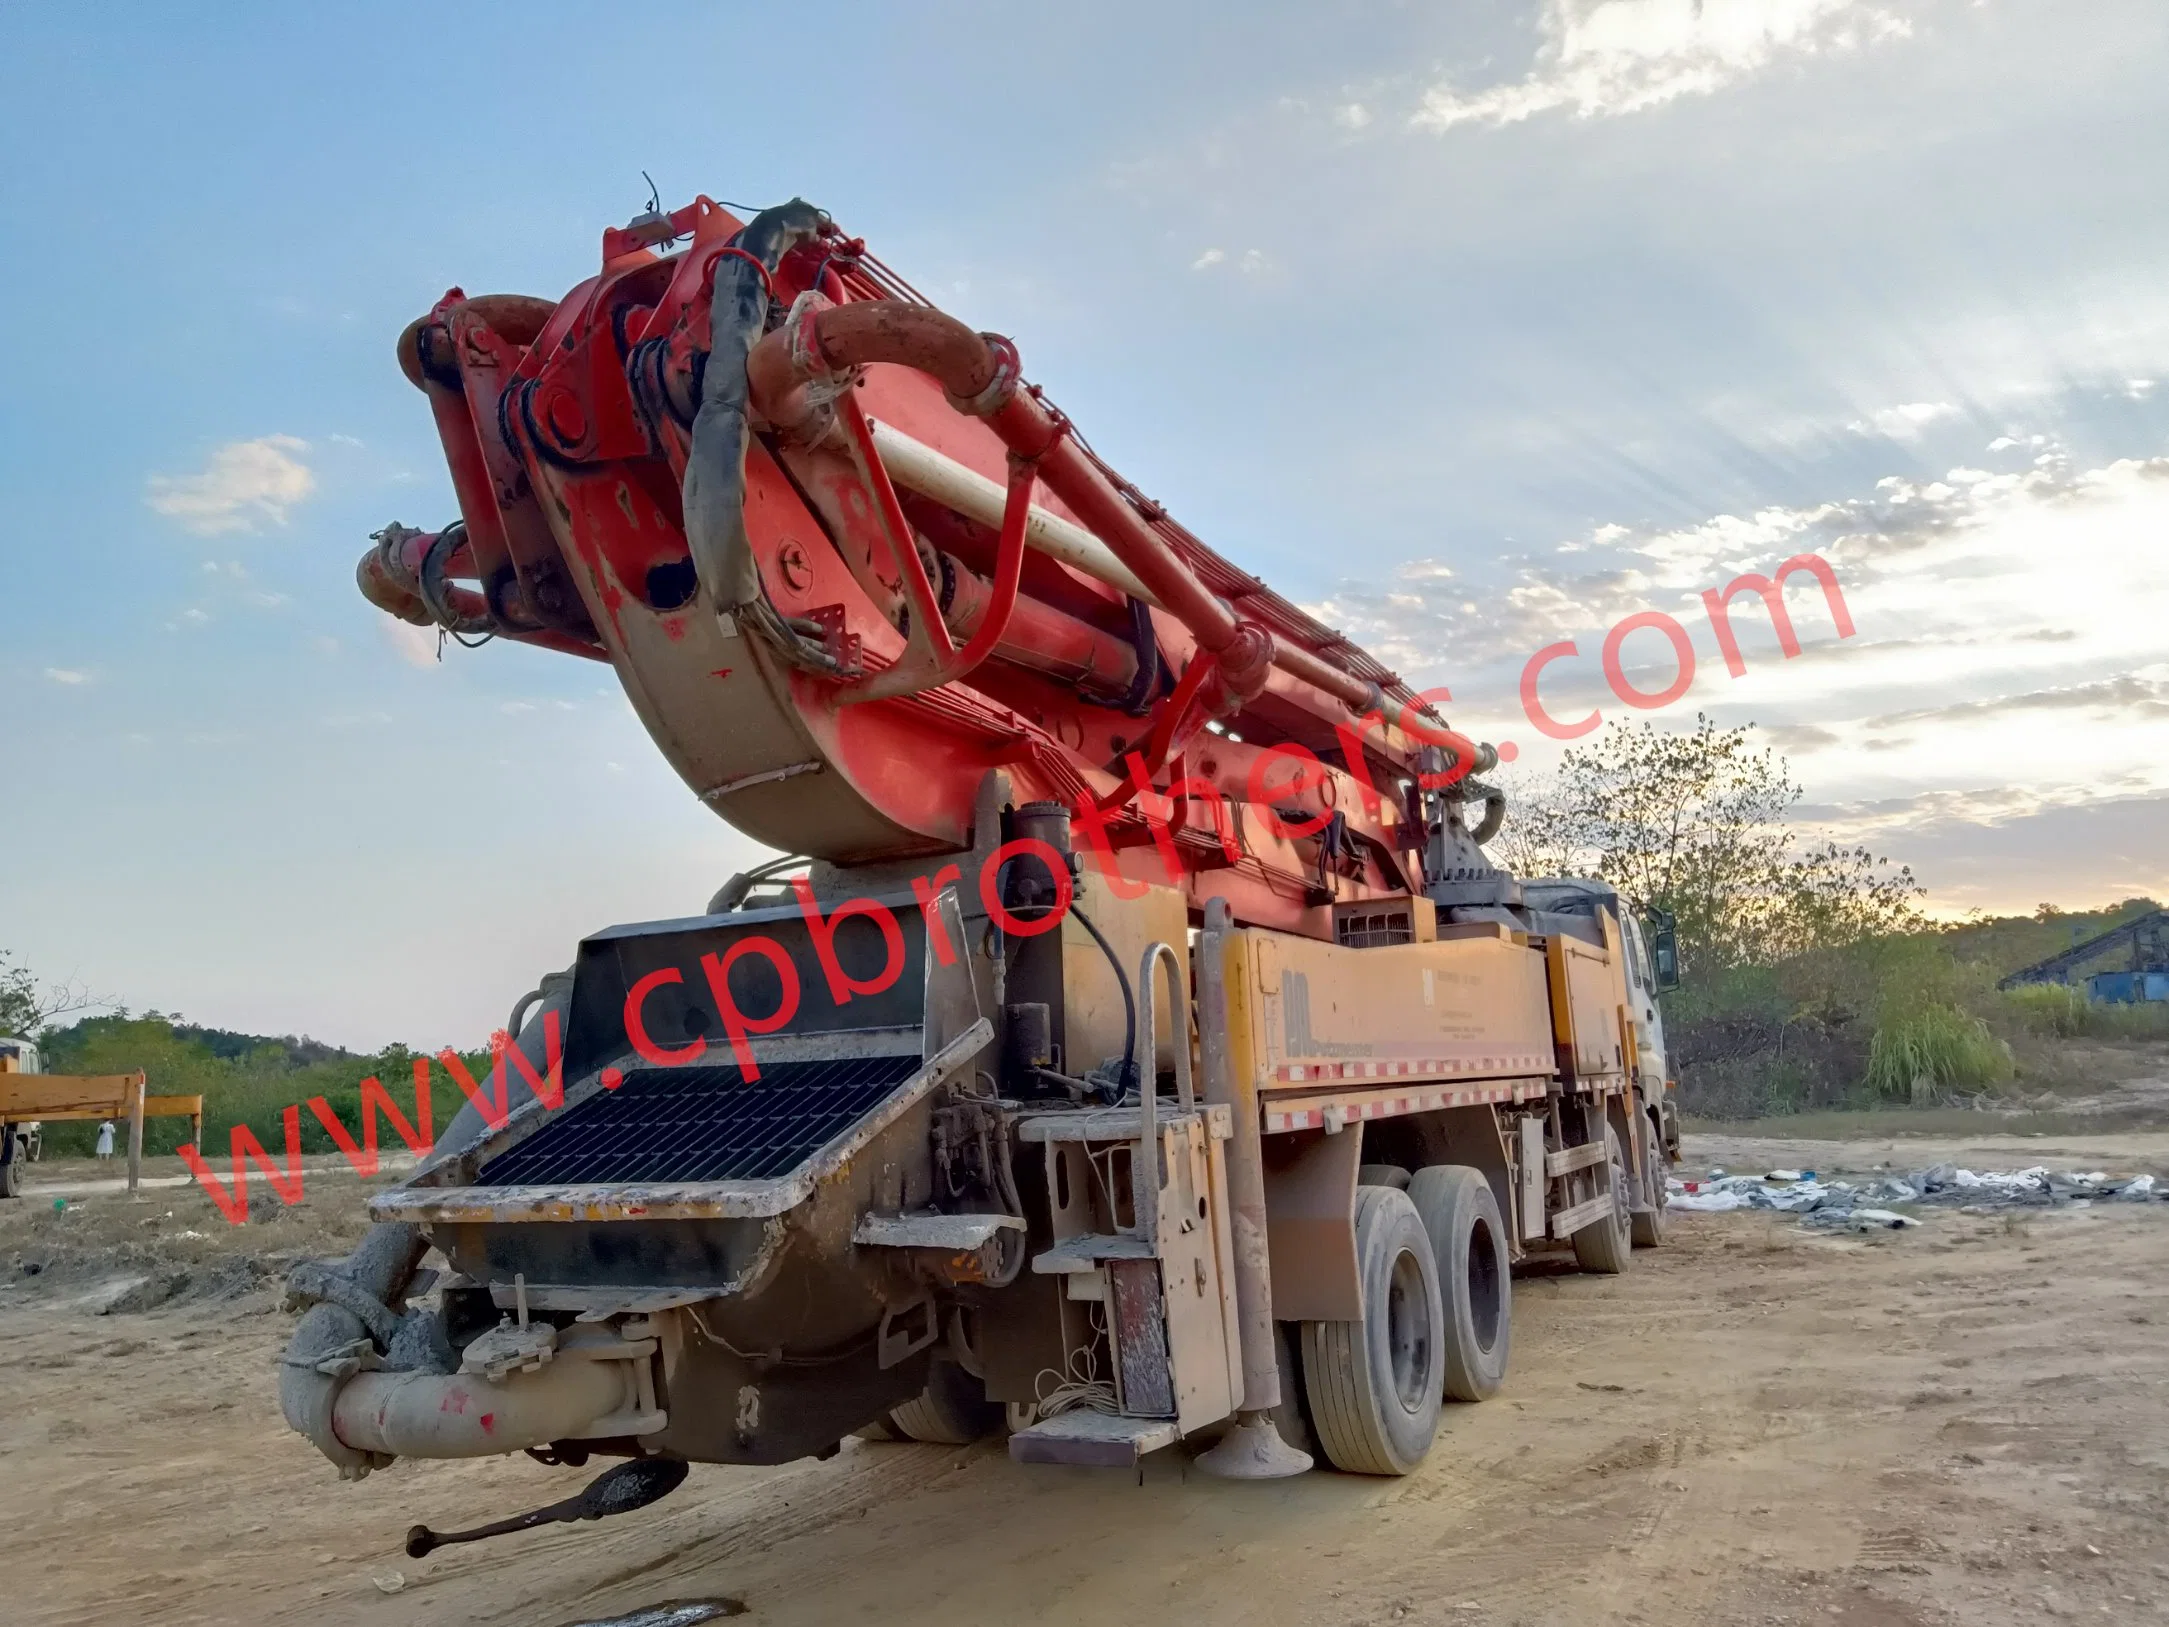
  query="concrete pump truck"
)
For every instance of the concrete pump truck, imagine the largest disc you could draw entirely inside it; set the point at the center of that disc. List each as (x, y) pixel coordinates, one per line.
(1138, 1046)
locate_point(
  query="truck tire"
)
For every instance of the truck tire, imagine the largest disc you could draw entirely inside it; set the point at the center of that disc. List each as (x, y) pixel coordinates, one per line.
(1392, 1175)
(1605, 1246)
(1292, 1417)
(1375, 1385)
(953, 1409)
(1468, 1240)
(1648, 1224)
(11, 1163)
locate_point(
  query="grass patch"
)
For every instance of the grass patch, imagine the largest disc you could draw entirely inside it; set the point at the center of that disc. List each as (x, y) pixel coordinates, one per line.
(1932, 1048)
(2058, 1011)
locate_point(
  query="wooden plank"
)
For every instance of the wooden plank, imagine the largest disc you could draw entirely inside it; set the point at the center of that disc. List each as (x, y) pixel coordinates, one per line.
(1574, 1158)
(1147, 1385)
(135, 1132)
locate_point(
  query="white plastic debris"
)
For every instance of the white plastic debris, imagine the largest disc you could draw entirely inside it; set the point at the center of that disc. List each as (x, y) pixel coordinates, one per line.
(1827, 1202)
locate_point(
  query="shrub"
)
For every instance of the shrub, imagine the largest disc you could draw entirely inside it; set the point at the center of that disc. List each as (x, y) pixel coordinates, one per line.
(1939, 1044)
(2053, 1009)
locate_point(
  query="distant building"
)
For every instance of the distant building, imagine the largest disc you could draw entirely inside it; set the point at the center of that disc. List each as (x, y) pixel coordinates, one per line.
(2127, 988)
(2144, 941)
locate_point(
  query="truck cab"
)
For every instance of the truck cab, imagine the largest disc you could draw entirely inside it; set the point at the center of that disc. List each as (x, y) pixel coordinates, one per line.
(20, 1143)
(1572, 904)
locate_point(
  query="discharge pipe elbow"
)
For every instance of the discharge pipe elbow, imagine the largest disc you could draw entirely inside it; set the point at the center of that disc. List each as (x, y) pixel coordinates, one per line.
(460, 1415)
(344, 1324)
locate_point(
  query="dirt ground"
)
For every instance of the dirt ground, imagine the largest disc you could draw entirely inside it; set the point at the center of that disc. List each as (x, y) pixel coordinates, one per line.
(1967, 1422)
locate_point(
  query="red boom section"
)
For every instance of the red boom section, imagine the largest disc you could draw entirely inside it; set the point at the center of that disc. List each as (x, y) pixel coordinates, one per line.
(924, 572)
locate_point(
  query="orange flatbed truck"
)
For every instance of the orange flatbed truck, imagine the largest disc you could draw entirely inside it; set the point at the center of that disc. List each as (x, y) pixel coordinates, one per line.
(31, 1098)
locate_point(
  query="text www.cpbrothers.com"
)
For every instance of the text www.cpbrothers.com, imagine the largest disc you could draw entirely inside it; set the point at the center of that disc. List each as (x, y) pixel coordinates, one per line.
(546, 1084)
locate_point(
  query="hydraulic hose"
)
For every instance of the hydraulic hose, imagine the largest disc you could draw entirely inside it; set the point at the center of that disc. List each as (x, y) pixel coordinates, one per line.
(1129, 1078)
(715, 466)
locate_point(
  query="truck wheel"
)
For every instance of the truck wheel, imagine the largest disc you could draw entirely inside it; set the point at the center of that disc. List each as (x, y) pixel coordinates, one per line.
(1469, 1242)
(11, 1170)
(1375, 1384)
(1392, 1175)
(1649, 1224)
(1606, 1245)
(1292, 1416)
(953, 1409)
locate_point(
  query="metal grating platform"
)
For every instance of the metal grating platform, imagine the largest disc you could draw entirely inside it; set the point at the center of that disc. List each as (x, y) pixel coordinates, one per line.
(702, 1124)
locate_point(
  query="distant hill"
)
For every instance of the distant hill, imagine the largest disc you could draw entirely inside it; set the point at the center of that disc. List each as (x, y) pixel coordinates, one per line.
(2007, 943)
(225, 1043)
(243, 1078)
(63, 1048)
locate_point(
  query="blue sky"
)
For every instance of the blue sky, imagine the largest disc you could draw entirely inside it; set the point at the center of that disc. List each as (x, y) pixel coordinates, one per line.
(1475, 326)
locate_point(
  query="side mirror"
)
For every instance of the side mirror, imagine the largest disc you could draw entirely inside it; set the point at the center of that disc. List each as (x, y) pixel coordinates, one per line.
(1664, 948)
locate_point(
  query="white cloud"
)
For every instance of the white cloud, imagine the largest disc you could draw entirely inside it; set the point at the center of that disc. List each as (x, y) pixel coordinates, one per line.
(1352, 116)
(1906, 421)
(1209, 259)
(2006, 653)
(243, 485)
(1606, 57)
(417, 646)
(1253, 262)
(67, 675)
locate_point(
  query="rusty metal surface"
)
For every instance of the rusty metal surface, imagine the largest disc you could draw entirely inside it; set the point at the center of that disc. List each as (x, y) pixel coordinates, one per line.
(1310, 1198)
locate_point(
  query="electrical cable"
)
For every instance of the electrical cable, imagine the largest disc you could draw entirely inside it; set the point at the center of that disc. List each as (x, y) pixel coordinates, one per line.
(1076, 1386)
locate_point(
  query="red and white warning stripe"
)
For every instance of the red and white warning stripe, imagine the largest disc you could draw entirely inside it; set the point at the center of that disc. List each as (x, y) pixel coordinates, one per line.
(1298, 1073)
(1336, 1112)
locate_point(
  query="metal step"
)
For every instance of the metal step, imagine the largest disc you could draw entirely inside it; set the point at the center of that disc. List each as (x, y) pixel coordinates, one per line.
(1103, 1440)
(1085, 1253)
(1569, 1221)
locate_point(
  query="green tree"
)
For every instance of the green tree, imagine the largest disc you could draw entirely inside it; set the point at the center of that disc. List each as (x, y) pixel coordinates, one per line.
(1697, 822)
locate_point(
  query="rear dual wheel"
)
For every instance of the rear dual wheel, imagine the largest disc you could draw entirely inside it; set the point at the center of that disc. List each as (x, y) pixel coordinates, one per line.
(1468, 1241)
(1375, 1384)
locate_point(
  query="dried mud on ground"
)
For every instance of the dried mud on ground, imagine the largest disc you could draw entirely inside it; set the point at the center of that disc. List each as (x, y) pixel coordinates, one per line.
(1968, 1422)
